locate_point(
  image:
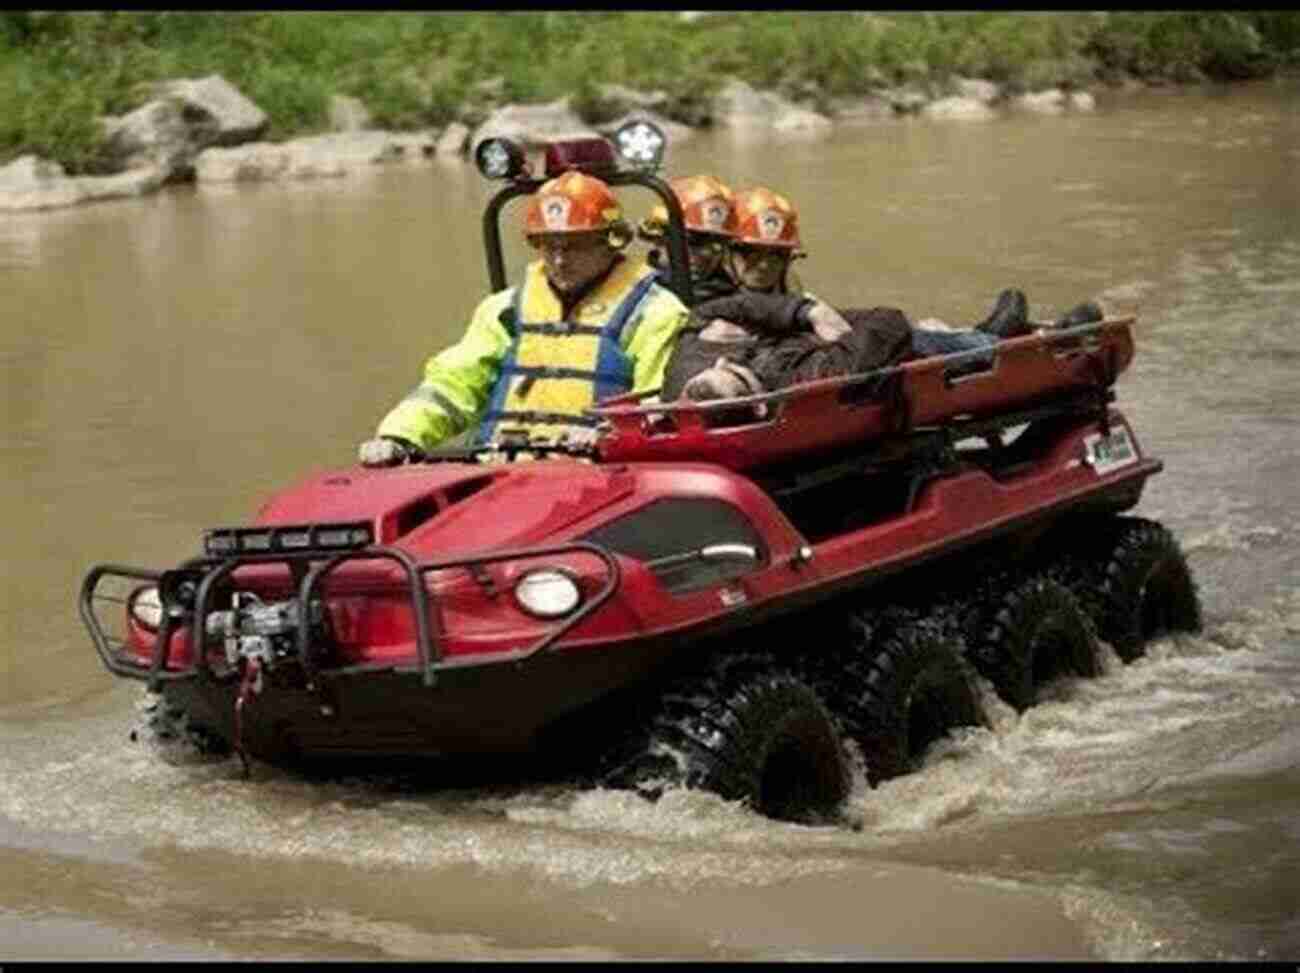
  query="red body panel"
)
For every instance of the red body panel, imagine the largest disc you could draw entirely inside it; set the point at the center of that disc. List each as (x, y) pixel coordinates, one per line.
(372, 618)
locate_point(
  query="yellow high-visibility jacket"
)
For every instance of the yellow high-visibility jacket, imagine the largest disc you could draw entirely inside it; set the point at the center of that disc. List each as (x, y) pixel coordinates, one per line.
(520, 366)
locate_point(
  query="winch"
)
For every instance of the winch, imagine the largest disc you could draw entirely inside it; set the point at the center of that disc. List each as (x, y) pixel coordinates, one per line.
(256, 629)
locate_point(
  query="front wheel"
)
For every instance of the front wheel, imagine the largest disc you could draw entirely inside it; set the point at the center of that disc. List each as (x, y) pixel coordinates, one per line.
(745, 729)
(174, 737)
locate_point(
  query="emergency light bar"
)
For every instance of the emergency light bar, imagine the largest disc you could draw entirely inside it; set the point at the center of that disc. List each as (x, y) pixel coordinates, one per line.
(587, 155)
(230, 541)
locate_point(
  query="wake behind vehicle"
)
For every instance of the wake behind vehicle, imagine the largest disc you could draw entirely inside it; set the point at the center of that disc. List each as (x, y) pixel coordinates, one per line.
(733, 595)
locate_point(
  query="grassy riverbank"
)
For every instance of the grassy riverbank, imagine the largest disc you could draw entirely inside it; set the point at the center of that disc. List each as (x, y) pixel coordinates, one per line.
(59, 71)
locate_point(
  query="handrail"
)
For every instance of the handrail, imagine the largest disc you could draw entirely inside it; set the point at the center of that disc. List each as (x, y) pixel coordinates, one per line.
(425, 646)
(87, 611)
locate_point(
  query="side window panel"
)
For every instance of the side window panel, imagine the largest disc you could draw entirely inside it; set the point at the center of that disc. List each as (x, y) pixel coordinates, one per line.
(664, 529)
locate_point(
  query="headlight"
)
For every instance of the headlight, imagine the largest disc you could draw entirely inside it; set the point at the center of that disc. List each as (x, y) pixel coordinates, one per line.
(641, 143)
(499, 158)
(146, 607)
(547, 593)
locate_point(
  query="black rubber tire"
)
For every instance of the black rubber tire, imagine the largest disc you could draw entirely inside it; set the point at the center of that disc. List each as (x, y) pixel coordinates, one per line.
(746, 729)
(1133, 579)
(1034, 632)
(914, 687)
(168, 730)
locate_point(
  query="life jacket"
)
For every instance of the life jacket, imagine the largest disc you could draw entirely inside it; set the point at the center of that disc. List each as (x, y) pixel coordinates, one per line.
(556, 368)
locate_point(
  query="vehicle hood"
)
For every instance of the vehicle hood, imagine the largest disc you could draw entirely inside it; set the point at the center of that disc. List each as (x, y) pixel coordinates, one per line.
(454, 508)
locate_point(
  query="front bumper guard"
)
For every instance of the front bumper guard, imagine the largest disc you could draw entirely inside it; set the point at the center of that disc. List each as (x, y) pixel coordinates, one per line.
(309, 569)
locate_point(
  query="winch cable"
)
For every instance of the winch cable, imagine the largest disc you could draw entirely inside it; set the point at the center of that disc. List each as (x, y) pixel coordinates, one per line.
(249, 687)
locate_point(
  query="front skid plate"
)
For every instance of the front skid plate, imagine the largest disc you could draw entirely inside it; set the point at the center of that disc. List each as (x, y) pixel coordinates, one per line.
(495, 708)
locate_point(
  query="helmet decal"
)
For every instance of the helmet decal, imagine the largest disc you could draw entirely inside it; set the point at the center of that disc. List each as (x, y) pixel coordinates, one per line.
(555, 212)
(714, 212)
(770, 224)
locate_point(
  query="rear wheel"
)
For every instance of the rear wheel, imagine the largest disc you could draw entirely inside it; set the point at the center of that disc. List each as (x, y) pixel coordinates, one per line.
(1136, 584)
(1031, 634)
(745, 729)
(169, 731)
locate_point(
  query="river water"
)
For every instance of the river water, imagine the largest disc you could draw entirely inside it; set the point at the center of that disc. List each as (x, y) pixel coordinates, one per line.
(168, 362)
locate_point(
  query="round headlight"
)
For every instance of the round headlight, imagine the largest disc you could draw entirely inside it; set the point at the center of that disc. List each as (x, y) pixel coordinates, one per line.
(146, 607)
(499, 158)
(640, 143)
(547, 593)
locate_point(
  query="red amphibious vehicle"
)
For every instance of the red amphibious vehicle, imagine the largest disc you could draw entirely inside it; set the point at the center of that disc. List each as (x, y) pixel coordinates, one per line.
(744, 606)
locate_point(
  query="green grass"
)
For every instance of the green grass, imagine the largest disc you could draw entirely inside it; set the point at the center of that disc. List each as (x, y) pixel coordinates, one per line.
(59, 70)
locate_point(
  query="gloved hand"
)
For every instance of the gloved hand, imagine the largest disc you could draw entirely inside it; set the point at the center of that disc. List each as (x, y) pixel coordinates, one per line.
(384, 451)
(579, 437)
(826, 322)
(773, 314)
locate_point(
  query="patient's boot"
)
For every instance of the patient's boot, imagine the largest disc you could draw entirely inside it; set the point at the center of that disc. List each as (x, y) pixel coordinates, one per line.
(1085, 313)
(1010, 317)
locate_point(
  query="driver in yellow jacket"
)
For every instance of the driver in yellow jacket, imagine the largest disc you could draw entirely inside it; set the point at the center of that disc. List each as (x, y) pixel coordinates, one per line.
(585, 324)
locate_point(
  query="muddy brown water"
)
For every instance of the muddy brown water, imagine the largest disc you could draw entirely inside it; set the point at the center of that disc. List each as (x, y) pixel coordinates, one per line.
(168, 362)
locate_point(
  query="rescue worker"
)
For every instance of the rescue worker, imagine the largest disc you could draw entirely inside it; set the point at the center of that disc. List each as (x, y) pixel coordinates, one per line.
(708, 211)
(766, 305)
(766, 242)
(586, 323)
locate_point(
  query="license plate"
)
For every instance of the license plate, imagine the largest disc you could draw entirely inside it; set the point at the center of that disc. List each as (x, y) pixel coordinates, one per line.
(1106, 453)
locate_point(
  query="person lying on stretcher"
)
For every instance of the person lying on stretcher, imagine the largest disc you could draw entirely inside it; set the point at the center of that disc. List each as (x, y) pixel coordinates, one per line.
(751, 342)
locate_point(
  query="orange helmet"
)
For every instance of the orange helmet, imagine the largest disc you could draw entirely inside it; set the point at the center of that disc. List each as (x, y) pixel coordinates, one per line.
(707, 207)
(766, 219)
(572, 203)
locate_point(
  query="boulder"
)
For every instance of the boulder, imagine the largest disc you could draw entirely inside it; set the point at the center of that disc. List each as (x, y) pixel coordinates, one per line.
(28, 172)
(860, 110)
(236, 119)
(254, 162)
(983, 91)
(959, 108)
(32, 183)
(908, 100)
(1049, 102)
(184, 117)
(533, 125)
(737, 105)
(314, 157)
(452, 140)
(1082, 101)
(156, 134)
(412, 146)
(124, 185)
(348, 114)
(622, 100)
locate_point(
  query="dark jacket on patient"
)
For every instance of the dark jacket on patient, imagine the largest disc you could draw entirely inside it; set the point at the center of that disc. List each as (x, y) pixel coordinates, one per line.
(780, 348)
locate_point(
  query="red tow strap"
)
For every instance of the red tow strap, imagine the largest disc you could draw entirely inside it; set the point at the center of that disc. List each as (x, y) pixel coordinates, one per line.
(248, 688)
